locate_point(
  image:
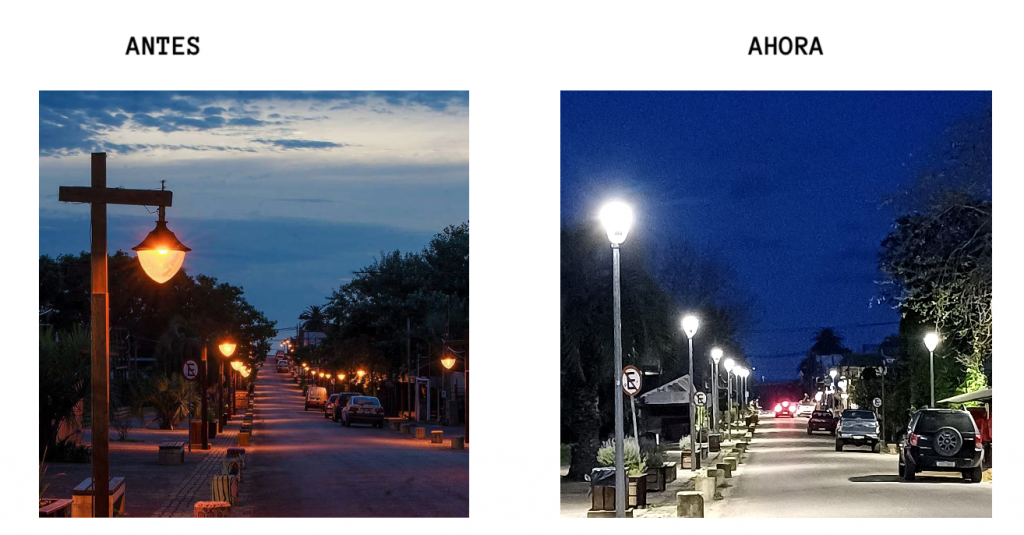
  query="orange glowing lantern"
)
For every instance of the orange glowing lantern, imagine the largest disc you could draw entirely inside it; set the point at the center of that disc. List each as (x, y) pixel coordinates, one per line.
(227, 349)
(448, 361)
(161, 254)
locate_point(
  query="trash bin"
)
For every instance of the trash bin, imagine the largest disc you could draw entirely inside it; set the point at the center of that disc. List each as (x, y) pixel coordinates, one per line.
(195, 436)
(602, 489)
(715, 442)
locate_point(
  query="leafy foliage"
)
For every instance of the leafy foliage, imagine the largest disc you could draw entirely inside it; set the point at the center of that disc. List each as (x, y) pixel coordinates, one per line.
(172, 396)
(64, 369)
(366, 318)
(634, 461)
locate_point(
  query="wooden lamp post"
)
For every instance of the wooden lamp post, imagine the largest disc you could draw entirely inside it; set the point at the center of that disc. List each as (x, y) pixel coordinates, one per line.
(161, 256)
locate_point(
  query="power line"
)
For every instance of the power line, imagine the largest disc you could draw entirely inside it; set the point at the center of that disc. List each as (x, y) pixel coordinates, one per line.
(847, 326)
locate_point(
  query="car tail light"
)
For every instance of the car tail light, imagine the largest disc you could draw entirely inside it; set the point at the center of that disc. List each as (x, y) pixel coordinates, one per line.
(977, 440)
(778, 408)
(913, 439)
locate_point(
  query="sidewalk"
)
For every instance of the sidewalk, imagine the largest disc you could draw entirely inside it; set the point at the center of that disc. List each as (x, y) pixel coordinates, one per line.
(576, 501)
(196, 487)
(152, 489)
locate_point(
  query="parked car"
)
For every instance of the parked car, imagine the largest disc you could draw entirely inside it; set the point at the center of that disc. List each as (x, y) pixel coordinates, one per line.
(805, 408)
(363, 409)
(822, 421)
(329, 406)
(282, 366)
(941, 440)
(859, 428)
(339, 403)
(316, 396)
(784, 409)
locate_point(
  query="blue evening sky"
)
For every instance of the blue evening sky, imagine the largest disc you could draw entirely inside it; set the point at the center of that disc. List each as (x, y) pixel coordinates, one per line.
(282, 193)
(783, 189)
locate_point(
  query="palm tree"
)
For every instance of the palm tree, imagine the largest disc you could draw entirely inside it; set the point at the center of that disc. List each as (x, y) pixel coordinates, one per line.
(313, 319)
(828, 342)
(64, 368)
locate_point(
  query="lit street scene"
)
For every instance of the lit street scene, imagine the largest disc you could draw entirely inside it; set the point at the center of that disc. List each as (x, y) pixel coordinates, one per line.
(254, 304)
(776, 304)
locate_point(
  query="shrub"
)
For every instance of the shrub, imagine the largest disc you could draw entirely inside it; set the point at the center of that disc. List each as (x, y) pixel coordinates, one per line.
(652, 452)
(68, 451)
(634, 460)
(123, 426)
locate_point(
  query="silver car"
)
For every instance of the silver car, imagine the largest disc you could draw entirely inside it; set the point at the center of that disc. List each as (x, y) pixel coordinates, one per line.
(857, 427)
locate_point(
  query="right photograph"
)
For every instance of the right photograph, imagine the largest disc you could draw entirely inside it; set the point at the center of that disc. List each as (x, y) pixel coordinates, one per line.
(776, 304)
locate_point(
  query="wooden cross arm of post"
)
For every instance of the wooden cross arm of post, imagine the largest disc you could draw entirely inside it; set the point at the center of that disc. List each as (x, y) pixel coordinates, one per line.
(140, 197)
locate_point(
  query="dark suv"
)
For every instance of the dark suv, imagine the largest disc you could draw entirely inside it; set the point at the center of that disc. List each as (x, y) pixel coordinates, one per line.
(941, 440)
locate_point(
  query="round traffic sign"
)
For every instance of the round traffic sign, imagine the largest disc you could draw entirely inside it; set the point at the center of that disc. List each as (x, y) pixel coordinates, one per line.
(632, 380)
(190, 370)
(700, 398)
(877, 402)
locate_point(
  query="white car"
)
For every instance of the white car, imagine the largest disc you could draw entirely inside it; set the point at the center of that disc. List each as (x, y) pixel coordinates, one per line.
(805, 408)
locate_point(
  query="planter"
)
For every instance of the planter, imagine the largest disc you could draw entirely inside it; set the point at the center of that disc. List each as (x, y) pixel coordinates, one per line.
(54, 508)
(684, 460)
(636, 491)
(659, 478)
(602, 482)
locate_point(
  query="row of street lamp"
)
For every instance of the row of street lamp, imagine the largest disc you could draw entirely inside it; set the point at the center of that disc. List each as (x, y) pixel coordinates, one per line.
(617, 218)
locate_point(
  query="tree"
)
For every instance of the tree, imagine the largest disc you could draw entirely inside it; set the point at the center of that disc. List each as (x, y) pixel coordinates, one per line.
(313, 319)
(649, 335)
(826, 342)
(64, 371)
(937, 262)
(367, 317)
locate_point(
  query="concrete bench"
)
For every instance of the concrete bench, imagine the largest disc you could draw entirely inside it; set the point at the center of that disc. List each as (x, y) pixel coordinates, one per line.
(211, 509)
(458, 443)
(244, 438)
(689, 504)
(237, 454)
(81, 498)
(224, 489)
(725, 469)
(732, 462)
(421, 432)
(172, 452)
(395, 425)
(405, 428)
(437, 437)
(231, 467)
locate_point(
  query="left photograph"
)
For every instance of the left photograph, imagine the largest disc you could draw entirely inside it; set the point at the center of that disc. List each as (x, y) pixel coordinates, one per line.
(253, 304)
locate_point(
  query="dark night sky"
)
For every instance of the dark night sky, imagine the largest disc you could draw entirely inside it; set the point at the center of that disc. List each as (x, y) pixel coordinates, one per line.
(783, 189)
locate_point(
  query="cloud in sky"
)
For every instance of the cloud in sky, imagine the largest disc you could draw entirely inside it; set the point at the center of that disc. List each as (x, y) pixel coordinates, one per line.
(348, 174)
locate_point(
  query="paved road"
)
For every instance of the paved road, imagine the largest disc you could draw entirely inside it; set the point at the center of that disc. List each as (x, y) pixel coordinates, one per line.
(790, 474)
(308, 466)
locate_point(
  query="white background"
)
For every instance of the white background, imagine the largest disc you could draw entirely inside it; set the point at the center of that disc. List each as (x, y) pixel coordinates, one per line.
(513, 57)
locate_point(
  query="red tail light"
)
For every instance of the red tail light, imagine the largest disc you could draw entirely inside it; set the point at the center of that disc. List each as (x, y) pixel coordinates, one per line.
(977, 440)
(913, 439)
(778, 408)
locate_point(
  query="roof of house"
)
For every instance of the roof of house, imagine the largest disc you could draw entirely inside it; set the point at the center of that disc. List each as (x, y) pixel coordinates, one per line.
(673, 392)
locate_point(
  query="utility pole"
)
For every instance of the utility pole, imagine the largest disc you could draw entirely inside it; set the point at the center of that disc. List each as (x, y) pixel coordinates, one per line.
(408, 364)
(98, 196)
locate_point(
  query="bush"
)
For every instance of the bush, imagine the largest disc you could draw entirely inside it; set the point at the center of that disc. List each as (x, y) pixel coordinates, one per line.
(123, 426)
(634, 460)
(652, 452)
(67, 451)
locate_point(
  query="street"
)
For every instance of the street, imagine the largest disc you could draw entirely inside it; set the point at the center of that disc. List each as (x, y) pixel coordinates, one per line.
(307, 466)
(790, 474)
